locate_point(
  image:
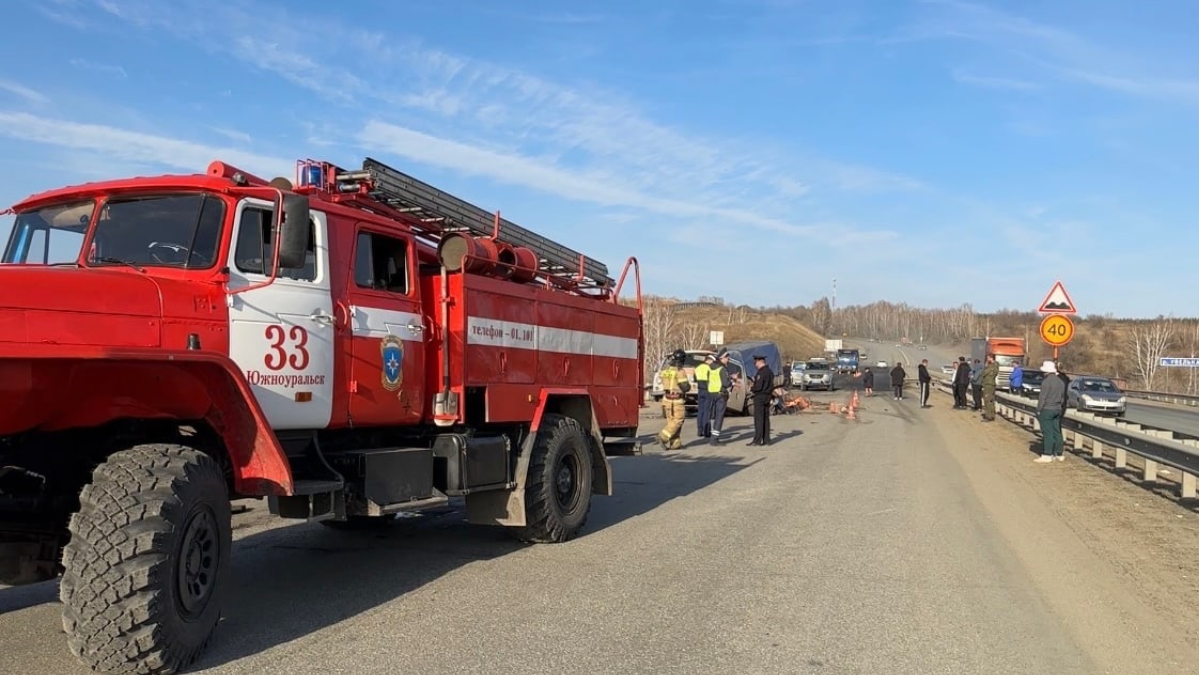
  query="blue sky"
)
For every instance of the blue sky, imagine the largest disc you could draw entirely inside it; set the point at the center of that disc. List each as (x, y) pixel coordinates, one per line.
(934, 153)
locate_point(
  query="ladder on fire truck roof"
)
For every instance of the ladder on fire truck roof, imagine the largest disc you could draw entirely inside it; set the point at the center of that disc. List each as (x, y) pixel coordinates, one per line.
(444, 212)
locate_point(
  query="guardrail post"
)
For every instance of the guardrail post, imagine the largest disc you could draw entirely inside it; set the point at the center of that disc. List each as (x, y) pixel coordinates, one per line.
(1077, 440)
(1186, 490)
(1096, 449)
(1150, 474)
(1121, 457)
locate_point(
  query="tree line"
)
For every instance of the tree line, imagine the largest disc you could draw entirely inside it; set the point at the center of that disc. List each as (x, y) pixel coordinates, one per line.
(1127, 349)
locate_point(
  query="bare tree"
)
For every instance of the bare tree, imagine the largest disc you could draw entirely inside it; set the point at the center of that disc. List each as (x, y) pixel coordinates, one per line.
(692, 335)
(658, 326)
(1148, 341)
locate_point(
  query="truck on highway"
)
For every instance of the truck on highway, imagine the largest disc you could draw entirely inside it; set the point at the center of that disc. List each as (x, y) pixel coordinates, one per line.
(847, 360)
(832, 345)
(1008, 351)
(349, 346)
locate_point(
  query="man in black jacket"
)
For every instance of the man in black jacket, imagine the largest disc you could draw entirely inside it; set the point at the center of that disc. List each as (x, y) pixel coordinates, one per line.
(898, 374)
(926, 383)
(961, 382)
(760, 390)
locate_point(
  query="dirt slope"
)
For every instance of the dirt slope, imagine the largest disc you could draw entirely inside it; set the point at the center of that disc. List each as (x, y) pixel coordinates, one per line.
(794, 339)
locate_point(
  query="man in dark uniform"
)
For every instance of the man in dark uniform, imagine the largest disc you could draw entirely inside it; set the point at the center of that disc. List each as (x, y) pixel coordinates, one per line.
(760, 390)
(926, 382)
(961, 381)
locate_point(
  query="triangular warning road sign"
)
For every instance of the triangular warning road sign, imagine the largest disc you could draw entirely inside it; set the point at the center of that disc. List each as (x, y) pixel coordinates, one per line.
(1058, 301)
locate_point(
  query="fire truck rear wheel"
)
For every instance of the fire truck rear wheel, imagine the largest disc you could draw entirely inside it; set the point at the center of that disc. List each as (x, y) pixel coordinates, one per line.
(558, 494)
(148, 561)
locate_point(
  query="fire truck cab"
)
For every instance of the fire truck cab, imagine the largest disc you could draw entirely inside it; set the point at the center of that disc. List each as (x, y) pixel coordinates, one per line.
(348, 346)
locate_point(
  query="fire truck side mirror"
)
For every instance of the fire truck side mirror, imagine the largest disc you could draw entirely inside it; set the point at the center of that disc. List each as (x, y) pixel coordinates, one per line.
(293, 228)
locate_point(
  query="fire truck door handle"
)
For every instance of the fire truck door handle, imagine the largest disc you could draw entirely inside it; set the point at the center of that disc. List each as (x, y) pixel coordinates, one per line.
(341, 313)
(322, 318)
(415, 328)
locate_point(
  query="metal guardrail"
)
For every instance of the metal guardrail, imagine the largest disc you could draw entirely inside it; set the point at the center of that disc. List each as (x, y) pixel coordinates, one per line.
(1163, 397)
(1156, 447)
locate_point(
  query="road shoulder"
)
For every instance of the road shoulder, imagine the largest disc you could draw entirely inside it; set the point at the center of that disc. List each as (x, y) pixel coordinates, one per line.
(1115, 561)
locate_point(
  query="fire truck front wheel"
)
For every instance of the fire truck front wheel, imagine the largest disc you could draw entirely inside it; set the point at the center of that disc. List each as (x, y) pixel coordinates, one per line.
(558, 494)
(148, 561)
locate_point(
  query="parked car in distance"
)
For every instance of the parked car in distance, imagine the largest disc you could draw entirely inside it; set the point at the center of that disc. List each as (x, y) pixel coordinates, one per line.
(1032, 382)
(949, 369)
(817, 374)
(1095, 394)
(880, 364)
(797, 370)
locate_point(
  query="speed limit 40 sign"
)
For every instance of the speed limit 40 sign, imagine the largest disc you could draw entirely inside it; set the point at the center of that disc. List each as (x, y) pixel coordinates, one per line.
(1057, 330)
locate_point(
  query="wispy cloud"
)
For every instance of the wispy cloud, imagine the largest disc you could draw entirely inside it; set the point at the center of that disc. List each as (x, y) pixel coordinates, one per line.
(1060, 53)
(104, 68)
(528, 172)
(233, 134)
(573, 140)
(63, 17)
(991, 82)
(23, 91)
(133, 146)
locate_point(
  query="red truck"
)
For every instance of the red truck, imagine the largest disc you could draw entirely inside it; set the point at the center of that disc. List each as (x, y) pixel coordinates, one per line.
(348, 346)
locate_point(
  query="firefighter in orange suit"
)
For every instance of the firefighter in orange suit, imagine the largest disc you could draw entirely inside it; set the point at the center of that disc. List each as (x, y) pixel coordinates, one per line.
(674, 386)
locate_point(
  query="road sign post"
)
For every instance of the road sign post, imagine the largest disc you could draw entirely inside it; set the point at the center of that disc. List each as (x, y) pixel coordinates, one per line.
(1057, 330)
(716, 337)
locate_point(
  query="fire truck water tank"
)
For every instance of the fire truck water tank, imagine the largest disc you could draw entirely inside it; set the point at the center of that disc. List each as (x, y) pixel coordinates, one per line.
(519, 263)
(457, 249)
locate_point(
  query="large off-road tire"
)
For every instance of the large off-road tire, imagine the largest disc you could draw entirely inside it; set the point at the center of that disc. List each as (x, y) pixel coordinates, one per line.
(148, 561)
(558, 493)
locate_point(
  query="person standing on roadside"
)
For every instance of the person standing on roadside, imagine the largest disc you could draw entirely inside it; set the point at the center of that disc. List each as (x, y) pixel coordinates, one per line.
(674, 387)
(1016, 380)
(976, 384)
(897, 377)
(961, 380)
(1051, 402)
(868, 382)
(926, 382)
(719, 385)
(990, 376)
(760, 390)
(703, 403)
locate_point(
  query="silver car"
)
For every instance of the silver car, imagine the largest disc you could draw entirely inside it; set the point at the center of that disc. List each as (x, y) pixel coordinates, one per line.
(818, 374)
(1095, 394)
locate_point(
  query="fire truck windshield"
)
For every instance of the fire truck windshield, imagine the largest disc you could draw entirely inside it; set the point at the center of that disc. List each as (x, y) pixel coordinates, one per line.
(51, 235)
(169, 230)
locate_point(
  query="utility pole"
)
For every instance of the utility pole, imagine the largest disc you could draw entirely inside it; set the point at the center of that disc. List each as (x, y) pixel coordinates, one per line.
(834, 303)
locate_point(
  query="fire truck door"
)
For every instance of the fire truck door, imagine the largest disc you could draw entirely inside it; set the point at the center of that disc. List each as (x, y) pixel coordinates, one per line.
(281, 335)
(387, 330)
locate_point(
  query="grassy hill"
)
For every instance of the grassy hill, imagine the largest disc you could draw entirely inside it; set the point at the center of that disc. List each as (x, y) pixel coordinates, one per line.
(795, 340)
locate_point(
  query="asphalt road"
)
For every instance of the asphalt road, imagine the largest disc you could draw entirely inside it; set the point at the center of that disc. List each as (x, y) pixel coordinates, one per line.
(908, 542)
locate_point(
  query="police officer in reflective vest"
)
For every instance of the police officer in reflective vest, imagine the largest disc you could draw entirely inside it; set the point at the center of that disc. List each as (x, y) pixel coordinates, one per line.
(703, 410)
(719, 384)
(674, 386)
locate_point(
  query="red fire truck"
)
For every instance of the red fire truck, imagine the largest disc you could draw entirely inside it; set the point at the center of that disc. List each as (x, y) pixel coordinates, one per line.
(348, 346)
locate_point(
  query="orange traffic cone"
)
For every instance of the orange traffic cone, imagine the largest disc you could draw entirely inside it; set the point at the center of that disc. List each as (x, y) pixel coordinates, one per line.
(853, 401)
(851, 415)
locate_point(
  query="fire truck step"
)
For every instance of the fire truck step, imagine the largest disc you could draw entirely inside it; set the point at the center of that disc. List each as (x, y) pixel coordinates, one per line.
(314, 487)
(313, 500)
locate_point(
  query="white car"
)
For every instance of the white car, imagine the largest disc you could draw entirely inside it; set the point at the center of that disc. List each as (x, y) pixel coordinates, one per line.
(881, 364)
